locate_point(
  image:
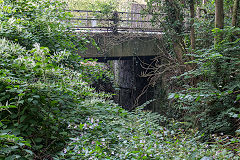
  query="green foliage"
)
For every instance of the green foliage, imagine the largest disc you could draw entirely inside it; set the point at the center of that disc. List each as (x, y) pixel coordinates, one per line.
(24, 83)
(12, 147)
(106, 7)
(204, 36)
(172, 22)
(42, 82)
(30, 22)
(95, 73)
(45, 93)
(208, 86)
(212, 105)
(110, 132)
(57, 112)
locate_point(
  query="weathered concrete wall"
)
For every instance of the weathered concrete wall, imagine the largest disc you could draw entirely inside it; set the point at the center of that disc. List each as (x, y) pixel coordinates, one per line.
(130, 83)
(125, 81)
(122, 46)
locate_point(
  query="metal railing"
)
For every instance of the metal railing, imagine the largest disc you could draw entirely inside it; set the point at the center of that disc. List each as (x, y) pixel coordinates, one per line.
(97, 21)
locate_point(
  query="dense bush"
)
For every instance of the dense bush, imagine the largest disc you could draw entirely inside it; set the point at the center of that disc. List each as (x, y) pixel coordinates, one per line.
(34, 78)
(213, 104)
(39, 88)
(45, 22)
(11, 145)
(200, 69)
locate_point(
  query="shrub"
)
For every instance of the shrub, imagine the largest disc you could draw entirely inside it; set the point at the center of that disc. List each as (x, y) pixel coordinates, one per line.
(211, 104)
(38, 21)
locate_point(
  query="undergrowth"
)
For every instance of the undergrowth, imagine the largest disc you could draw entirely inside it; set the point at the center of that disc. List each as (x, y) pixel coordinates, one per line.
(52, 113)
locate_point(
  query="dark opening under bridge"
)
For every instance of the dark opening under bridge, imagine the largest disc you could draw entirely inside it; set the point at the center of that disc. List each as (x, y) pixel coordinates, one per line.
(116, 34)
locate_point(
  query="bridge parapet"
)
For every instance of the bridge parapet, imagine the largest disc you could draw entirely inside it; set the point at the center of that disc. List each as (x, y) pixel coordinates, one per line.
(97, 21)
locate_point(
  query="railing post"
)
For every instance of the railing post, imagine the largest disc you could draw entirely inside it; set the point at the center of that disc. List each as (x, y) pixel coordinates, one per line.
(115, 22)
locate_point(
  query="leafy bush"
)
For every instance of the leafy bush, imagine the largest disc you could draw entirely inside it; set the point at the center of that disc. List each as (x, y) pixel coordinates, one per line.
(25, 82)
(45, 87)
(33, 21)
(12, 146)
(211, 104)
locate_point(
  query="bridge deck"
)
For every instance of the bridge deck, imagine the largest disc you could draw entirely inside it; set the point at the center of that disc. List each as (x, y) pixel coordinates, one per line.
(111, 46)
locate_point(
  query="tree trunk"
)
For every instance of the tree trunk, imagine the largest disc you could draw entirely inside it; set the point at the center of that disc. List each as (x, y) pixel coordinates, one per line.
(219, 18)
(235, 11)
(173, 15)
(192, 15)
(219, 14)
